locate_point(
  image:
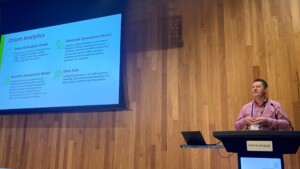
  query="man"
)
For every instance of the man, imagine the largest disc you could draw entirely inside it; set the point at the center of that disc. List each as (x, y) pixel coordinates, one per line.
(262, 113)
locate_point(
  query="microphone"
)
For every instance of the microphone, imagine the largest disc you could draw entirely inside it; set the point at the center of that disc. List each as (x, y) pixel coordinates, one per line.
(276, 116)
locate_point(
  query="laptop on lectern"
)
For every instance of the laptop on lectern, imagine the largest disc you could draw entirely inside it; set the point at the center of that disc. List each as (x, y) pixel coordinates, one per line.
(193, 138)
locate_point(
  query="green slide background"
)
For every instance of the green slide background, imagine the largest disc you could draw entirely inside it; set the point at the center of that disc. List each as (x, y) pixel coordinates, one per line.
(1, 49)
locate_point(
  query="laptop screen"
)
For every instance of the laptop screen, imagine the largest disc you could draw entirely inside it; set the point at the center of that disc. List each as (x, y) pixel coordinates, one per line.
(193, 138)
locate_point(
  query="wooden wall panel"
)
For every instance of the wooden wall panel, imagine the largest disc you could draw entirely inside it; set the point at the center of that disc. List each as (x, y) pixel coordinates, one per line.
(190, 66)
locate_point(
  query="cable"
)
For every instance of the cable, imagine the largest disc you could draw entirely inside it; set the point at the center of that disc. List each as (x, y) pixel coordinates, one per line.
(222, 155)
(214, 144)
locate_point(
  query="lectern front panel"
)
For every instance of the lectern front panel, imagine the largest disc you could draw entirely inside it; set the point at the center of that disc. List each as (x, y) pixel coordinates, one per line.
(259, 162)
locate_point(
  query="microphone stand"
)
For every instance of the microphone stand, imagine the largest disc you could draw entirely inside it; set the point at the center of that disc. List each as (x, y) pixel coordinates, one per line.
(287, 119)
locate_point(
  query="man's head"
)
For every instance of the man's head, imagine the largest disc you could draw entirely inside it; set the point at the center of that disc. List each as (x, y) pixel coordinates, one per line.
(259, 88)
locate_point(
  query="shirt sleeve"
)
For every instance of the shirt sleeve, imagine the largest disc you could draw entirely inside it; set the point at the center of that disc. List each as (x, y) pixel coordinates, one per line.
(282, 121)
(240, 121)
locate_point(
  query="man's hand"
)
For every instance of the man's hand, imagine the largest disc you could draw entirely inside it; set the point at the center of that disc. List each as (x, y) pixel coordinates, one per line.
(250, 120)
(261, 121)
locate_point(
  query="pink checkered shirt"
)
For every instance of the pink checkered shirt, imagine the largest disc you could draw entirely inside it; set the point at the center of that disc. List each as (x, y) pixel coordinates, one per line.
(277, 119)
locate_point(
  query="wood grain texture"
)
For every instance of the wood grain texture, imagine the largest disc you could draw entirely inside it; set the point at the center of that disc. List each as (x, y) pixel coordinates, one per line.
(190, 66)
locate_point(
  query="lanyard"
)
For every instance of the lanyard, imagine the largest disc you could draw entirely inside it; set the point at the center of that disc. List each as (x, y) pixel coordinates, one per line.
(262, 112)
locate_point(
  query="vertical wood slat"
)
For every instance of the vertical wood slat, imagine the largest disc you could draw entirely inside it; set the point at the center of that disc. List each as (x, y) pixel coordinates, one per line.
(295, 5)
(198, 85)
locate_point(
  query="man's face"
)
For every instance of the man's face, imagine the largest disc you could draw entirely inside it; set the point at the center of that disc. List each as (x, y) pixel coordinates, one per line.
(258, 89)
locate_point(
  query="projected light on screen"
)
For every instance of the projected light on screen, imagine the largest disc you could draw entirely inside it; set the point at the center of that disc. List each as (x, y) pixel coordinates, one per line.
(75, 64)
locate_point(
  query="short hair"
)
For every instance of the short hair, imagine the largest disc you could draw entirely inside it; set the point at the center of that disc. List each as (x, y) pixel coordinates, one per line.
(264, 83)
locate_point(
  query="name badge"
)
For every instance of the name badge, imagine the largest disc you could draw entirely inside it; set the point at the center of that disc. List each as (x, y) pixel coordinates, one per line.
(254, 127)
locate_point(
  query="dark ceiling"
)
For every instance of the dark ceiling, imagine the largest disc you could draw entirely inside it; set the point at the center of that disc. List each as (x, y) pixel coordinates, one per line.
(19, 15)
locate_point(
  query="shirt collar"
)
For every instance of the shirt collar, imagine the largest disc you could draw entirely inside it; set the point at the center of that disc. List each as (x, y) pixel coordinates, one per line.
(264, 103)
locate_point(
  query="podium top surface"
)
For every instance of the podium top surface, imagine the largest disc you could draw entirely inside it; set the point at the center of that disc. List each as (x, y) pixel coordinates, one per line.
(284, 142)
(263, 134)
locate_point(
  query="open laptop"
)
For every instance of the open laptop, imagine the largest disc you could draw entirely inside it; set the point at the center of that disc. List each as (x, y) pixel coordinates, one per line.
(194, 138)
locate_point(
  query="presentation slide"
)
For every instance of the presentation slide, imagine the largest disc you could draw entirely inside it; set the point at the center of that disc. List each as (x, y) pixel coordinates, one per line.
(260, 163)
(74, 64)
